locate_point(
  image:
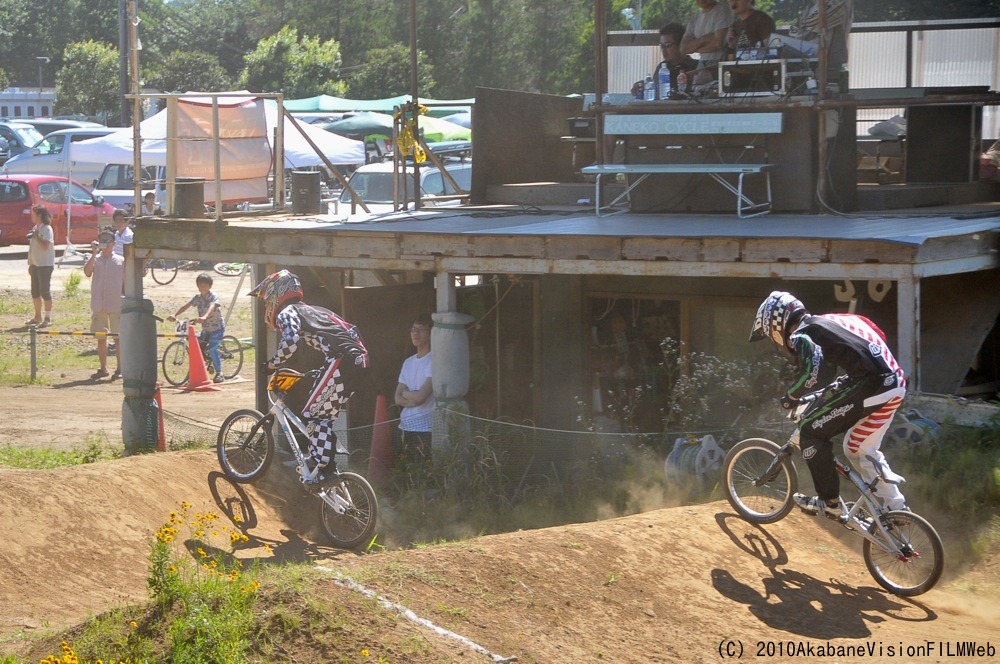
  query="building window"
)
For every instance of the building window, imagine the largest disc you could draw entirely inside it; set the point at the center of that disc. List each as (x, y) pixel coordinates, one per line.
(31, 111)
(4, 111)
(17, 111)
(45, 111)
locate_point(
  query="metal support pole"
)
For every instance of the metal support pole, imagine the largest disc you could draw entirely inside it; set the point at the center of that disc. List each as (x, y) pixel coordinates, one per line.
(34, 352)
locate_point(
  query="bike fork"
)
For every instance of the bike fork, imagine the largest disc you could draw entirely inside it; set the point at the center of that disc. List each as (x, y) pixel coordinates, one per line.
(775, 466)
(334, 500)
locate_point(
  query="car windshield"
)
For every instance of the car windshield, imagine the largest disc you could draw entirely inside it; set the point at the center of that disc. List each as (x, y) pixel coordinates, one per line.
(119, 176)
(371, 187)
(50, 145)
(27, 135)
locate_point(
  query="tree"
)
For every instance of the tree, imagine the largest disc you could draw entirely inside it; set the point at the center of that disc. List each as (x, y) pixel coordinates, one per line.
(88, 81)
(283, 63)
(184, 71)
(387, 74)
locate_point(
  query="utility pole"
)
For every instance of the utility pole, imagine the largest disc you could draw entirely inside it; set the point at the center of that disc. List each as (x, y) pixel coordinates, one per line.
(123, 51)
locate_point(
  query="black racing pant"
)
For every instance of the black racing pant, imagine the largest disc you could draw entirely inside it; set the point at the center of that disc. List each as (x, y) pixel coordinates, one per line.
(830, 416)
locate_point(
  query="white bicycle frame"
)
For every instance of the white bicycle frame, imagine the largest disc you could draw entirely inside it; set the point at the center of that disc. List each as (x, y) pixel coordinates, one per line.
(286, 419)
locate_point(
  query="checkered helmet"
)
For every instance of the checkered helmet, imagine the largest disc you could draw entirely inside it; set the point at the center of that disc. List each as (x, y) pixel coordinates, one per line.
(775, 317)
(275, 291)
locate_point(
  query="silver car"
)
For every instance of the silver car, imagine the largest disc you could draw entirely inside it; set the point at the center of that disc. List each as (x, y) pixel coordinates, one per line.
(49, 156)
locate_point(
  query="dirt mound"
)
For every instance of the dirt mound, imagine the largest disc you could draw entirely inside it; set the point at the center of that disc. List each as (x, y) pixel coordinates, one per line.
(666, 585)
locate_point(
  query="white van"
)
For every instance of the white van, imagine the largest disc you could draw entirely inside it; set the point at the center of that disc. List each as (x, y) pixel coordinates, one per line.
(373, 184)
(116, 185)
(48, 156)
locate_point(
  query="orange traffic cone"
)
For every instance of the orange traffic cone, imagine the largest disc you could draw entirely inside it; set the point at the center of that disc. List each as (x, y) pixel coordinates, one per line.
(380, 459)
(161, 442)
(198, 380)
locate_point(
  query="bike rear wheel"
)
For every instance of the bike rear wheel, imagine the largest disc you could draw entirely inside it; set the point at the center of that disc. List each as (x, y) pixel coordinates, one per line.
(922, 560)
(348, 510)
(755, 499)
(163, 270)
(231, 353)
(175, 363)
(228, 269)
(245, 446)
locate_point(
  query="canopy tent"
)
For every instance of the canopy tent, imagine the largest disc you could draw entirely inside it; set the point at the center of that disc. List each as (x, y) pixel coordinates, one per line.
(340, 104)
(367, 125)
(116, 148)
(462, 119)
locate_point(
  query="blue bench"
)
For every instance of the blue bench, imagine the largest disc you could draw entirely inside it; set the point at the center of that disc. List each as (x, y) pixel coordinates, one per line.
(683, 124)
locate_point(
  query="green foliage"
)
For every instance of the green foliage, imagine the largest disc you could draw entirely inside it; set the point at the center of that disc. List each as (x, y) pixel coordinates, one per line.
(71, 287)
(297, 67)
(387, 74)
(958, 472)
(185, 70)
(87, 83)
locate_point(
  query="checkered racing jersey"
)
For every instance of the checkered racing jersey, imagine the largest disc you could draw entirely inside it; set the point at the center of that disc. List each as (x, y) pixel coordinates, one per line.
(321, 329)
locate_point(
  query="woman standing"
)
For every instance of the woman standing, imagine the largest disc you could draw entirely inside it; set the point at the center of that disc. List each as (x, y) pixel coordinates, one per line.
(41, 262)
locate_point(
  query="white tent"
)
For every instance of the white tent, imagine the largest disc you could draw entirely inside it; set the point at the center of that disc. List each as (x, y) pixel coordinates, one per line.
(116, 148)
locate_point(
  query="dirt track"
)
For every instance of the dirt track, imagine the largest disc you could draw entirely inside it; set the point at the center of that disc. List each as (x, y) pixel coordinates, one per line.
(667, 585)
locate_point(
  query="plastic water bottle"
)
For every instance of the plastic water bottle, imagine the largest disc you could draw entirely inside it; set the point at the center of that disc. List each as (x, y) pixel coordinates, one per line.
(650, 91)
(664, 81)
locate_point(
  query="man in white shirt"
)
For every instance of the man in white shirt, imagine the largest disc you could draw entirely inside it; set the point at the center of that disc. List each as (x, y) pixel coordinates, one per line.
(415, 395)
(706, 36)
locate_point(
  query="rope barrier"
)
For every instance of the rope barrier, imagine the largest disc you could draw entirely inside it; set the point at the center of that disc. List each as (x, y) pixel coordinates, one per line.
(34, 332)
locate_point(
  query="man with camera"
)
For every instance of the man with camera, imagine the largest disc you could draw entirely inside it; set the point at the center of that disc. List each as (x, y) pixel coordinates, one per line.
(107, 271)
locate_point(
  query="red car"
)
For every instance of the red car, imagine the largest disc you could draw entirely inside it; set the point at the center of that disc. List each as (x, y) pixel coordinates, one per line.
(19, 193)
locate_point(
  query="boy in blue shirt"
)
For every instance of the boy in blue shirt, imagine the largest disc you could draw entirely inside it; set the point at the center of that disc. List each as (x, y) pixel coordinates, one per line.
(213, 327)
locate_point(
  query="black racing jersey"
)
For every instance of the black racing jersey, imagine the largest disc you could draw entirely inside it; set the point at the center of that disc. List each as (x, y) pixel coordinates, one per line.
(833, 344)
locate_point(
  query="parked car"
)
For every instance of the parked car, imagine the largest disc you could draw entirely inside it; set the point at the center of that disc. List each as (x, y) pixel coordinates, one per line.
(117, 187)
(373, 184)
(46, 126)
(49, 156)
(15, 138)
(84, 212)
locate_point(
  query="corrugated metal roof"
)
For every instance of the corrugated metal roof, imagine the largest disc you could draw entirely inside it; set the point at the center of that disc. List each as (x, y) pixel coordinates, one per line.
(907, 229)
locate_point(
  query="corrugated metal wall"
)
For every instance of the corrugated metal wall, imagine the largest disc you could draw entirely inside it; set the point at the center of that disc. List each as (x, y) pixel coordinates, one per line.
(940, 58)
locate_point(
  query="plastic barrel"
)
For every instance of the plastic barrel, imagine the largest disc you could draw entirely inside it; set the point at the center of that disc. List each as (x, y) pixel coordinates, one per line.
(189, 198)
(306, 198)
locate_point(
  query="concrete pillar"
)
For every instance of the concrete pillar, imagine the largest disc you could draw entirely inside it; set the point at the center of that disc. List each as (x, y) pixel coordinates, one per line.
(908, 316)
(137, 341)
(449, 366)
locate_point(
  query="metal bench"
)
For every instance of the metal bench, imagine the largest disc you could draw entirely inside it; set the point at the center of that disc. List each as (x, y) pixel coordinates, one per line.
(690, 124)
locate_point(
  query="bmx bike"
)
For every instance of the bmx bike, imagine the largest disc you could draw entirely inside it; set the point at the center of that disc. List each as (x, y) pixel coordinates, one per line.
(175, 361)
(902, 551)
(348, 508)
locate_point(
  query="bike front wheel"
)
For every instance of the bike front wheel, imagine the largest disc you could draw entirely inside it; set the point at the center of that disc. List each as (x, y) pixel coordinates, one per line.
(231, 354)
(911, 562)
(162, 270)
(245, 446)
(348, 510)
(175, 363)
(756, 498)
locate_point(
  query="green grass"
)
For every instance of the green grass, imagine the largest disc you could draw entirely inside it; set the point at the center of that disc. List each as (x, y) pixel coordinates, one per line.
(57, 354)
(93, 449)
